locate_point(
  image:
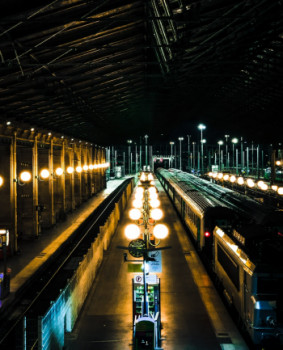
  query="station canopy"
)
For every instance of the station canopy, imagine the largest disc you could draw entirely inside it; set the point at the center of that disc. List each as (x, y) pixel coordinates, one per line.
(109, 70)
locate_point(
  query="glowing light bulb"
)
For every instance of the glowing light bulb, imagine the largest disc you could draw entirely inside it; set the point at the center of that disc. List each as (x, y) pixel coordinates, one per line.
(44, 174)
(25, 176)
(132, 231)
(160, 231)
(156, 214)
(70, 170)
(59, 171)
(135, 214)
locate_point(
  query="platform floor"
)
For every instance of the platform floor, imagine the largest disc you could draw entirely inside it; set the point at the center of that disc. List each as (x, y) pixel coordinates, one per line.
(192, 314)
(35, 252)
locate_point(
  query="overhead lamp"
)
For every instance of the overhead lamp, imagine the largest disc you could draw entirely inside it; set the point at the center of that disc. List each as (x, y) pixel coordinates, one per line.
(90, 167)
(160, 231)
(85, 167)
(70, 170)
(240, 180)
(140, 190)
(59, 171)
(139, 196)
(232, 178)
(152, 189)
(135, 214)
(25, 176)
(132, 231)
(250, 183)
(79, 169)
(154, 203)
(226, 177)
(156, 214)
(1, 181)
(153, 196)
(280, 190)
(44, 174)
(274, 187)
(220, 176)
(137, 203)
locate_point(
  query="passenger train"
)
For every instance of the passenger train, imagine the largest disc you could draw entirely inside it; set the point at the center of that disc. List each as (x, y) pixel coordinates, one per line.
(237, 236)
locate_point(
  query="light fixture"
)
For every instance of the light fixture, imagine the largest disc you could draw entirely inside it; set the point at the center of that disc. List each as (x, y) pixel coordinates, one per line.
(44, 174)
(137, 203)
(79, 169)
(70, 170)
(226, 177)
(135, 214)
(90, 167)
(240, 180)
(132, 231)
(280, 190)
(25, 176)
(59, 171)
(1, 181)
(232, 178)
(160, 231)
(156, 214)
(154, 203)
(85, 167)
(250, 183)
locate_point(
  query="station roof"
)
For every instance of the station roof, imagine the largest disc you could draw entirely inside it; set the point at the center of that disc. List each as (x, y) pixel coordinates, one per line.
(106, 71)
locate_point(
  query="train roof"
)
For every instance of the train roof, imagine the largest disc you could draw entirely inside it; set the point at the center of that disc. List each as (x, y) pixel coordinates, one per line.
(248, 208)
(263, 247)
(190, 193)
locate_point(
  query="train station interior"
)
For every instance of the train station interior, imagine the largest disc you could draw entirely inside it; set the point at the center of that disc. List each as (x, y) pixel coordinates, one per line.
(103, 102)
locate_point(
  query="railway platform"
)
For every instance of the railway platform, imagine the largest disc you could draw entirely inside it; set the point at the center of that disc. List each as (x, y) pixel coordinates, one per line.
(34, 253)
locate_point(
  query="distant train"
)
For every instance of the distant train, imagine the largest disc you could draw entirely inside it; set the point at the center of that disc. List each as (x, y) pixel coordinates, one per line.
(236, 235)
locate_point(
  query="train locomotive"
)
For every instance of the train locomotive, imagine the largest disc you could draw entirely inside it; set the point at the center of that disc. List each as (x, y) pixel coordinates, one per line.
(242, 240)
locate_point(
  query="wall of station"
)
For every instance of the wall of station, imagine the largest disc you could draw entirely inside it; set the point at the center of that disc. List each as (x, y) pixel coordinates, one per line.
(63, 312)
(75, 172)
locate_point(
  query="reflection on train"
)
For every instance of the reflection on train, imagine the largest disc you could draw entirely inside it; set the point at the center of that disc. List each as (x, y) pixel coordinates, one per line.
(238, 243)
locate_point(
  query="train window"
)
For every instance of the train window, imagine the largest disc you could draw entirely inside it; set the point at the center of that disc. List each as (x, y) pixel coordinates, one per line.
(230, 267)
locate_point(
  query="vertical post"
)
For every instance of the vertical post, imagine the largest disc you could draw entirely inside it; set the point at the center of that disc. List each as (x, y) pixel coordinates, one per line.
(13, 193)
(146, 161)
(257, 161)
(35, 187)
(51, 184)
(63, 176)
(189, 152)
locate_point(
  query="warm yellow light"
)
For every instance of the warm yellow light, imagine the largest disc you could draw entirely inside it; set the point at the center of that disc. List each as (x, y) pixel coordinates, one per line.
(232, 178)
(137, 203)
(59, 171)
(139, 196)
(79, 169)
(150, 177)
(264, 187)
(240, 180)
(143, 177)
(132, 231)
(226, 177)
(274, 187)
(156, 214)
(44, 174)
(95, 166)
(250, 183)
(160, 231)
(70, 170)
(85, 167)
(1, 181)
(278, 162)
(152, 189)
(210, 174)
(153, 196)
(25, 176)
(135, 214)
(154, 203)
(90, 167)
(152, 183)
(214, 175)
(220, 176)
(260, 183)
(280, 190)
(107, 165)
(140, 190)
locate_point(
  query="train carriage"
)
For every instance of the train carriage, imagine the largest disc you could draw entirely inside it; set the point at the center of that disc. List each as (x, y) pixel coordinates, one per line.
(248, 263)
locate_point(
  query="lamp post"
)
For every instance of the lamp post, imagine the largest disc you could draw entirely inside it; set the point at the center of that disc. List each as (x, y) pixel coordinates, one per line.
(146, 161)
(194, 155)
(129, 156)
(171, 152)
(220, 143)
(189, 151)
(201, 127)
(180, 139)
(234, 141)
(227, 159)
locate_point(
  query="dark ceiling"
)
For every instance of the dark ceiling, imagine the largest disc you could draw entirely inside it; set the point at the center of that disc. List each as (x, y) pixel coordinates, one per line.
(105, 71)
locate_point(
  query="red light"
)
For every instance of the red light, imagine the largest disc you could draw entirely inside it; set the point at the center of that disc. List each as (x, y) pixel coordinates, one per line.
(207, 234)
(280, 234)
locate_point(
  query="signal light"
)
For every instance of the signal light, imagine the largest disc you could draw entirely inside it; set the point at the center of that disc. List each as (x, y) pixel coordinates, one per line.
(207, 234)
